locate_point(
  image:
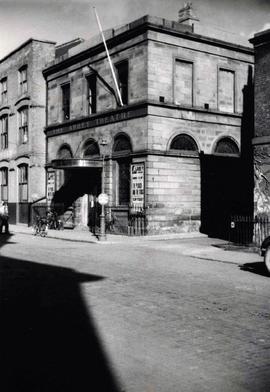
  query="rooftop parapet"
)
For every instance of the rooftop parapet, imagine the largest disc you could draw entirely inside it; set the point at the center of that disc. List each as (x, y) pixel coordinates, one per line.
(262, 37)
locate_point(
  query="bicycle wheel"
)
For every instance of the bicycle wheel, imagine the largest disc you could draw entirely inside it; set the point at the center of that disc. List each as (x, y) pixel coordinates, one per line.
(35, 230)
(43, 230)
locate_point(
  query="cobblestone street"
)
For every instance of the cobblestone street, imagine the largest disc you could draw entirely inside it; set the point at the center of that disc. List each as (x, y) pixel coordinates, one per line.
(162, 321)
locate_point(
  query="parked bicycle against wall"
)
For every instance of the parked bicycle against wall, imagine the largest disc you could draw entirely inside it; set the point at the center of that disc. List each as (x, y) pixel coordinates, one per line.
(40, 227)
(54, 223)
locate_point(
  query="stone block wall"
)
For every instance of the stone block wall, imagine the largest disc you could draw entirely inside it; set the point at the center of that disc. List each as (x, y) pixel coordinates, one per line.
(207, 60)
(135, 51)
(205, 128)
(173, 194)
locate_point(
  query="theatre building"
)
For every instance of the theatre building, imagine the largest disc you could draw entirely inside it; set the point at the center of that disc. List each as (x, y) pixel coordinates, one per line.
(22, 120)
(171, 154)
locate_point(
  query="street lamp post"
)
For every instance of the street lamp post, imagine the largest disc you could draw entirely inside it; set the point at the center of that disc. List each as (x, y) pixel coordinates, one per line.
(102, 235)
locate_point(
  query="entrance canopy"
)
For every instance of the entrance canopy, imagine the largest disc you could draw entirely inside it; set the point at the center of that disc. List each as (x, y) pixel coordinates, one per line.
(72, 163)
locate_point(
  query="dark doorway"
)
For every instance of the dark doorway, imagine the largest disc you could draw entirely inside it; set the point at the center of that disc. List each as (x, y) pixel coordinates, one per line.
(23, 212)
(225, 191)
(79, 181)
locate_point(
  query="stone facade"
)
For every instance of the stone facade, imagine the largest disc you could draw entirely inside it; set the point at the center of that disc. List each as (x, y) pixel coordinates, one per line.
(179, 83)
(22, 150)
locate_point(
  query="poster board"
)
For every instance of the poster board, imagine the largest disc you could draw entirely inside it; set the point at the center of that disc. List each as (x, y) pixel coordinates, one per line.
(137, 185)
(50, 186)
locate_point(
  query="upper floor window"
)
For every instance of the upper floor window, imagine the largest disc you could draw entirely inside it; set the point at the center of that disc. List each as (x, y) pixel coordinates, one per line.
(183, 82)
(23, 182)
(23, 80)
(3, 90)
(122, 76)
(66, 101)
(64, 152)
(92, 94)
(4, 131)
(91, 149)
(226, 90)
(23, 126)
(4, 183)
(183, 142)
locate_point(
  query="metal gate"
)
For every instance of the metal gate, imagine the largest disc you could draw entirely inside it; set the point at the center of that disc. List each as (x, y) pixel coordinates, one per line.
(137, 222)
(249, 230)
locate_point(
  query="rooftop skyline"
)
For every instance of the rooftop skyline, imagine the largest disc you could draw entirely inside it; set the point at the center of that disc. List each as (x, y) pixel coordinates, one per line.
(60, 21)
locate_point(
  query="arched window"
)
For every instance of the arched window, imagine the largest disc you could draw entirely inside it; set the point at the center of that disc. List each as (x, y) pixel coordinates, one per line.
(226, 146)
(4, 183)
(23, 182)
(183, 142)
(91, 149)
(122, 144)
(64, 152)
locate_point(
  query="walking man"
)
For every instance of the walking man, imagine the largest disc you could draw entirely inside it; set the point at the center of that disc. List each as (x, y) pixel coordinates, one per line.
(4, 217)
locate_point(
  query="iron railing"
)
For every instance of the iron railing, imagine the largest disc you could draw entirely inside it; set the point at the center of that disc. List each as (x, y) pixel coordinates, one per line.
(249, 230)
(136, 221)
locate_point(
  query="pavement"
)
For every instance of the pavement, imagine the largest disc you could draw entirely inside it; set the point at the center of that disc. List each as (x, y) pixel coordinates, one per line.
(191, 244)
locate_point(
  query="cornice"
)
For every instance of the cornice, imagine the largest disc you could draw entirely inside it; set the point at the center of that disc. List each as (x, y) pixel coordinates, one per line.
(125, 113)
(138, 27)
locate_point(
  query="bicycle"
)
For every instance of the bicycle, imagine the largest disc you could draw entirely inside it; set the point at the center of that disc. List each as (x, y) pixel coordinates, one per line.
(40, 227)
(53, 222)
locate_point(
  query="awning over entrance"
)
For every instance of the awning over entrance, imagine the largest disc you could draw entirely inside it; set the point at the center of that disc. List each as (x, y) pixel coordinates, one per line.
(72, 163)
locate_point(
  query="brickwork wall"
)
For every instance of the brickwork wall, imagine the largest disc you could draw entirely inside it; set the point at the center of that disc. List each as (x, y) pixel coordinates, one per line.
(262, 122)
(262, 90)
(35, 55)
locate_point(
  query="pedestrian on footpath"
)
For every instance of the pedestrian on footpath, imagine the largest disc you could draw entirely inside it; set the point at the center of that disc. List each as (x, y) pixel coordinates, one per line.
(4, 217)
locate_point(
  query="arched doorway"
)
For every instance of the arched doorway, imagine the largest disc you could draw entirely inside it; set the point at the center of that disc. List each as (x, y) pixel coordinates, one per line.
(82, 177)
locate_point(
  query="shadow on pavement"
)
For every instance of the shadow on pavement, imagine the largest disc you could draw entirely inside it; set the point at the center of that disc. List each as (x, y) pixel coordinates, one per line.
(257, 268)
(48, 339)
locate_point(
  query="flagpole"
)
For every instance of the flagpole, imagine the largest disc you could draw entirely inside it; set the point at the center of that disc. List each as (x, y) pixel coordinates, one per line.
(109, 59)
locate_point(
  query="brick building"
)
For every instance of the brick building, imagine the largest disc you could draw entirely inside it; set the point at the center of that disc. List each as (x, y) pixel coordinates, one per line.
(22, 118)
(261, 141)
(171, 153)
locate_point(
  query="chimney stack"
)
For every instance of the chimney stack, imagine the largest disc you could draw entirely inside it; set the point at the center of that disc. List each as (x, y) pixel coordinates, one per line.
(186, 15)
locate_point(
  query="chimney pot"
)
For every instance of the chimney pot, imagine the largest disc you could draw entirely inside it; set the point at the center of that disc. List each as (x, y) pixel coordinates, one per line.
(187, 16)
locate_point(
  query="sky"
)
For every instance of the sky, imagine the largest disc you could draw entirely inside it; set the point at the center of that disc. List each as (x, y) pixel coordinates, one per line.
(63, 20)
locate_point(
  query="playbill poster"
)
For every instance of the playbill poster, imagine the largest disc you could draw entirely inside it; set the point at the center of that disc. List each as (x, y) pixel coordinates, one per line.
(137, 185)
